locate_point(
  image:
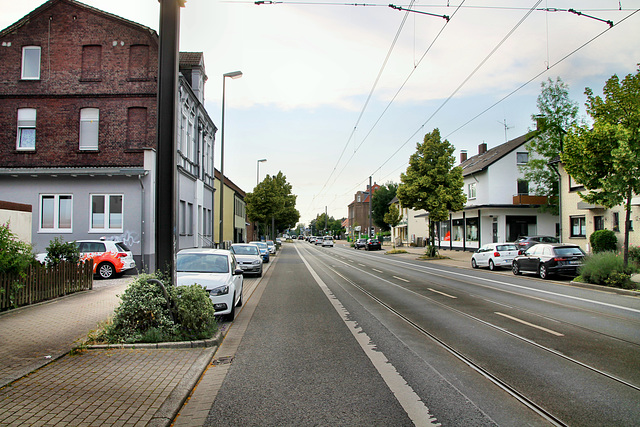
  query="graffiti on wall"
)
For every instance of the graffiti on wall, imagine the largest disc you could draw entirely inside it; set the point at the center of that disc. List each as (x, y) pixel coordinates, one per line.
(129, 238)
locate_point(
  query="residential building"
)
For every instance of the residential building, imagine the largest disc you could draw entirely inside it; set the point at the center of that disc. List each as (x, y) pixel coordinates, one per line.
(235, 216)
(359, 212)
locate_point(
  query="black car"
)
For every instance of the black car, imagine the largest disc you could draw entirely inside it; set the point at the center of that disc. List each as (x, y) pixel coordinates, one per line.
(525, 242)
(373, 245)
(546, 259)
(360, 243)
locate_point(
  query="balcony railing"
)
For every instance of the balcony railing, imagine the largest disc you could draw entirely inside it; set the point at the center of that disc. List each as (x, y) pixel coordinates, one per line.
(525, 199)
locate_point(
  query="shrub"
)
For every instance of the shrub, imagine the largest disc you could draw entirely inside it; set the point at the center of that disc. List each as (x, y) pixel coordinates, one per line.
(143, 315)
(431, 251)
(607, 269)
(15, 255)
(59, 250)
(634, 254)
(603, 240)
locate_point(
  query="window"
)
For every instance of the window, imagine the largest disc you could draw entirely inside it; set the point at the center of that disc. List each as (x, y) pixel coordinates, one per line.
(106, 212)
(522, 158)
(137, 127)
(89, 121)
(616, 221)
(56, 213)
(182, 219)
(523, 187)
(598, 223)
(578, 226)
(31, 63)
(471, 190)
(26, 129)
(91, 63)
(472, 229)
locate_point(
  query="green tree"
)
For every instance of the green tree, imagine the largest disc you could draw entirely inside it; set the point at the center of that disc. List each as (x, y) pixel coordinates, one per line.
(605, 158)
(556, 114)
(380, 204)
(393, 217)
(273, 202)
(432, 182)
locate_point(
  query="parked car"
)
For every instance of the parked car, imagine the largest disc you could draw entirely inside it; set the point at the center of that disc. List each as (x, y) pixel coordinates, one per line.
(525, 242)
(494, 255)
(319, 240)
(327, 241)
(264, 249)
(218, 272)
(312, 239)
(546, 259)
(110, 257)
(249, 257)
(360, 243)
(373, 245)
(272, 246)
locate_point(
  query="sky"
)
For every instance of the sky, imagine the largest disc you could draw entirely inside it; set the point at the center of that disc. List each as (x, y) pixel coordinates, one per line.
(334, 93)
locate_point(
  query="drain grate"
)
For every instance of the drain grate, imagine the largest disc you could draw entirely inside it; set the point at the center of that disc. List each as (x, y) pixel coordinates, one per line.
(226, 360)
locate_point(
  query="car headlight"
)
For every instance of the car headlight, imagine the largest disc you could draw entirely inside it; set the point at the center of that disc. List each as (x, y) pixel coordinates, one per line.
(222, 290)
(256, 262)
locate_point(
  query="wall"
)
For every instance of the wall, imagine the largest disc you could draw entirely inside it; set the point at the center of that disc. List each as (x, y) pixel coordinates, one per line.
(18, 216)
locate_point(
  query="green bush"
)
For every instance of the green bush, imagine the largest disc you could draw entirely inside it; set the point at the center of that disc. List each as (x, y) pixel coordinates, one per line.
(431, 251)
(59, 250)
(606, 269)
(634, 254)
(15, 255)
(603, 240)
(143, 315)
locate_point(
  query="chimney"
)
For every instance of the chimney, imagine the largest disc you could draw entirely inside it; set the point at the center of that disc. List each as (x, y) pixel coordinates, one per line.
(482, 148)
(463, 156)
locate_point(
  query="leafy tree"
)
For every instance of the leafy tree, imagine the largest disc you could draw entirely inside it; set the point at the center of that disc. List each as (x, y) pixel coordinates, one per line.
(606, 157)
(557, 113)
(333, 226)
(432, 182)
(380, 204)
(393, 217)
(272, 200)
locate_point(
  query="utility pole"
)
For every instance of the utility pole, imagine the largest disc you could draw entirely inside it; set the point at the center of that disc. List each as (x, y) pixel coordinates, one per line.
(370, 208)
(326, 220)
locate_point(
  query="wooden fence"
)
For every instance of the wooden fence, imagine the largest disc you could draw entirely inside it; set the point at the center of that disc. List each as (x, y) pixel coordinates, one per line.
(41, 283)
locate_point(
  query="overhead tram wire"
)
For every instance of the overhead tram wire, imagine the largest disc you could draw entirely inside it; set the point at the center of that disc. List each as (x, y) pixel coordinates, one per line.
(541, 73)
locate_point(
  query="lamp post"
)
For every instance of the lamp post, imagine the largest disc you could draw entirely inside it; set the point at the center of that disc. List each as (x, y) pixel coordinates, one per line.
(258, 170)
(233, 75)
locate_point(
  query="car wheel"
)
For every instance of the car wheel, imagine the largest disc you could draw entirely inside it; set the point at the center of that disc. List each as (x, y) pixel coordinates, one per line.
(543, 272)
(516, 269)
(232, 314)
(492, 266)
(106, 270)
(260, 273)
(474, 264)
(239, 302)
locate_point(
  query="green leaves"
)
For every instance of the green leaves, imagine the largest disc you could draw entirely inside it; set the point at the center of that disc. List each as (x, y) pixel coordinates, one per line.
(272, 198)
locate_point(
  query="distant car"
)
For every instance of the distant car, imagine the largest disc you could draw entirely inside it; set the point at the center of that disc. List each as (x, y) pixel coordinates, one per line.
(272, 246)
(327, 241)
(373, 245)
(217, 271)
(249, 257)
(110, 257)
(301, 237)
(312, 239)
(494, 255)
(525, 242)
(319, 240)
(360, 243)
(546, 259)
(264, 250)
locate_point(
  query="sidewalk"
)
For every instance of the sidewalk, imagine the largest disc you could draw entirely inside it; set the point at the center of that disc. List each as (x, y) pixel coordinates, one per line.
(453, 257)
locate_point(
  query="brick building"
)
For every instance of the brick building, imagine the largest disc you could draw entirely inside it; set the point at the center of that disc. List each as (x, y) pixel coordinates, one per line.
(78, 102)
(358, 219)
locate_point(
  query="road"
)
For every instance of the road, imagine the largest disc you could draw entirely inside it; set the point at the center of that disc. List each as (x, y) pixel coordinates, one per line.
(351, 338)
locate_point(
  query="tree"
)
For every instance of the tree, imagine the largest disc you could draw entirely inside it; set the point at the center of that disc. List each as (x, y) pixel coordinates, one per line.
(431, 182)
(557, 113)
(333, 226)
(393, 217)
(380, 204)
(272, 202)
(606, 157)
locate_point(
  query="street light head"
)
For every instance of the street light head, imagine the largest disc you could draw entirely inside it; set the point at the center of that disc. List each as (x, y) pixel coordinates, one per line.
(233, 74)
(262, 160)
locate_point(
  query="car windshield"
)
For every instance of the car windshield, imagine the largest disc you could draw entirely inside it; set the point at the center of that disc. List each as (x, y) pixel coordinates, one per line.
(570, 251)
(328, 238)
(261, 245)
(245, 250)
(202, 263)
(506, 248)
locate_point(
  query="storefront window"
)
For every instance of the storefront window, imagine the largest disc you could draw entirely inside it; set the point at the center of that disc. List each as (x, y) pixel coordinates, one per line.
(472, 229)
(458, 230)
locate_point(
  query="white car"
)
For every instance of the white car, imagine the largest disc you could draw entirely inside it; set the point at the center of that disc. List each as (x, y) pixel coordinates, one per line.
(327, 241)
(218, 272)
(248, 257)
(494, 255)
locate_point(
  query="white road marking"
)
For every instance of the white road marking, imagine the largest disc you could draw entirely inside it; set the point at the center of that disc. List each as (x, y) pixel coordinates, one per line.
(361, 265)
(379, 271)
(442, 293)
(406, 396)
(558, 334)
(400, 278)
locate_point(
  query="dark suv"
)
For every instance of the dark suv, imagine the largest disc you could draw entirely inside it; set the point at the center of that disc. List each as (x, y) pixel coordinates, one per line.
(546, 259)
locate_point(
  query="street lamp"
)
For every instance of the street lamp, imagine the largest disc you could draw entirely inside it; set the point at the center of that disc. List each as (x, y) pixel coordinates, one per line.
(258, 171)
(233, 75)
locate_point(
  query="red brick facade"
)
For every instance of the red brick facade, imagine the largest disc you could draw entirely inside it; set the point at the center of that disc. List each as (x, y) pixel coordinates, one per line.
(88, 59)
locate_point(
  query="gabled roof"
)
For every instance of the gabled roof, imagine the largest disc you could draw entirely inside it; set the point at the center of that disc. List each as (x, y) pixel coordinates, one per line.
(46, 6)
(482, 161)
(191, 59)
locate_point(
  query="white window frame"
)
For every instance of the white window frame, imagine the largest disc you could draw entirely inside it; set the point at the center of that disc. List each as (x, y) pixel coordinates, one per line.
(25, 55)
(107, 226)
(89, 129)
(56, 214)
(472, 191)
(26, 121)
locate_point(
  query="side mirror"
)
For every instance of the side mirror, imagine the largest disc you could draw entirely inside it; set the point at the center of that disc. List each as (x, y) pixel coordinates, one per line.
(238, 272)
